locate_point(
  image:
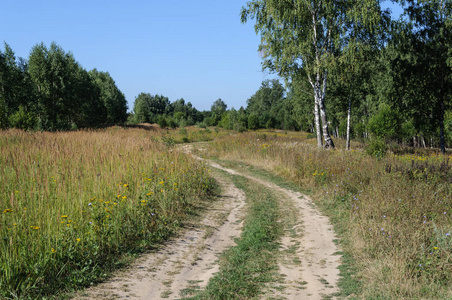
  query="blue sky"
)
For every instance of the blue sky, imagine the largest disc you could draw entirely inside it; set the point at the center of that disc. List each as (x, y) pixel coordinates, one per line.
(192, 49)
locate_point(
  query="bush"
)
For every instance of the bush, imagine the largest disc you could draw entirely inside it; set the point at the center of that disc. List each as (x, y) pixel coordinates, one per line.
(162, 122)
(22, 119)
(377, 147)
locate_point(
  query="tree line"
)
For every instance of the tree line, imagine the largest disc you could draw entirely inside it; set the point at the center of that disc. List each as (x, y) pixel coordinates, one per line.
(52, 91)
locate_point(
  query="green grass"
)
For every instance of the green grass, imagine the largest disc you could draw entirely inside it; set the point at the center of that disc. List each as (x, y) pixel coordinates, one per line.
(246, 268)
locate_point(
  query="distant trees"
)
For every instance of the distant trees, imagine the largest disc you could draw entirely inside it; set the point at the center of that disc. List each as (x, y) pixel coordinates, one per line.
(112, 98)
(158, 109)
(51, 91)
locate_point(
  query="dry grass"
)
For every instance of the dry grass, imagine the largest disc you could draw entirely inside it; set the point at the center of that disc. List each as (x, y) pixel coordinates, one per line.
(394, 214)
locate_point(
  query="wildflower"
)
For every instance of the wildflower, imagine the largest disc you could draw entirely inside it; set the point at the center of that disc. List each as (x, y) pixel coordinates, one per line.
(53, 250)
(89, 204)
(64, 216)
(435, 248)
(447, 234)
(124, 197)
(78, 240)
(7, 210)
(35, 227)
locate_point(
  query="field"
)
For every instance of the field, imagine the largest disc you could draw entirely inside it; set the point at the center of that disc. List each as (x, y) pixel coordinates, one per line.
(72, 204)
(394, 214)
(79, 204)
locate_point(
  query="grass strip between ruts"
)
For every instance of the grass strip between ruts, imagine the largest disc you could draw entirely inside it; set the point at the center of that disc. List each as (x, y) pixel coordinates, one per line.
(248, 266)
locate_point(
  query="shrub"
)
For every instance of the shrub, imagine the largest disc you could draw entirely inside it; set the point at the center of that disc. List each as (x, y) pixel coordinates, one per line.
(377, 147)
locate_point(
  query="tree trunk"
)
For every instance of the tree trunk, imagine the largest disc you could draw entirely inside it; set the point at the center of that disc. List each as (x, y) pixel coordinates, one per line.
(319, 99)
(329, 144)
(317, 124)
(349, 111)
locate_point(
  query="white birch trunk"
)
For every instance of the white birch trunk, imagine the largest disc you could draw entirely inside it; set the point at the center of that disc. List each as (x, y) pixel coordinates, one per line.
(317, 124)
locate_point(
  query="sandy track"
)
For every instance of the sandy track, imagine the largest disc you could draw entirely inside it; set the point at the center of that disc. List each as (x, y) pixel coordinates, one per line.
(307, 261)
(185, 263)
(310, 270)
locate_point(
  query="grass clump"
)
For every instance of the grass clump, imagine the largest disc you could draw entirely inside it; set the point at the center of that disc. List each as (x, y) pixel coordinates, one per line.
(247, 267)
(73, 203)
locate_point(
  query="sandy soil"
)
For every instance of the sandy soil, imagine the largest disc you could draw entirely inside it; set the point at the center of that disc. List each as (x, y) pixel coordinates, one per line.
(308, 264)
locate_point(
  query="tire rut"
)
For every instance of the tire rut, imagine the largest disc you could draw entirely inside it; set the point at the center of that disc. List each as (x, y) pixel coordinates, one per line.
(309, 261)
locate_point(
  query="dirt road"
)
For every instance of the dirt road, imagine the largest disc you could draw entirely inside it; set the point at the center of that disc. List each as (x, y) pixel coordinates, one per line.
(308, 264)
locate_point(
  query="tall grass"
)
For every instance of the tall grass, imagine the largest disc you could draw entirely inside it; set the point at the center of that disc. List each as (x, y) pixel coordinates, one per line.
(72, 203)
(394, 214)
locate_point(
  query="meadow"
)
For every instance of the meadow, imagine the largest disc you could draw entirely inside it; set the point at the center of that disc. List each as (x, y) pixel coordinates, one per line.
(74, 205)
(393, 214)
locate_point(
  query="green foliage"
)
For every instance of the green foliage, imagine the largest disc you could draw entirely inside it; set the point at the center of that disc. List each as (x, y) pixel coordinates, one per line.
(23, 119)
(162, 122)
(113, 99)
(386, 123)
(217, 110)
(377, 147)
(269, 104)
(253, 122)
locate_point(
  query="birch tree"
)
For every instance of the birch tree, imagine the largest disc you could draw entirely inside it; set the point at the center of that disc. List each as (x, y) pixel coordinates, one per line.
(303, 38)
